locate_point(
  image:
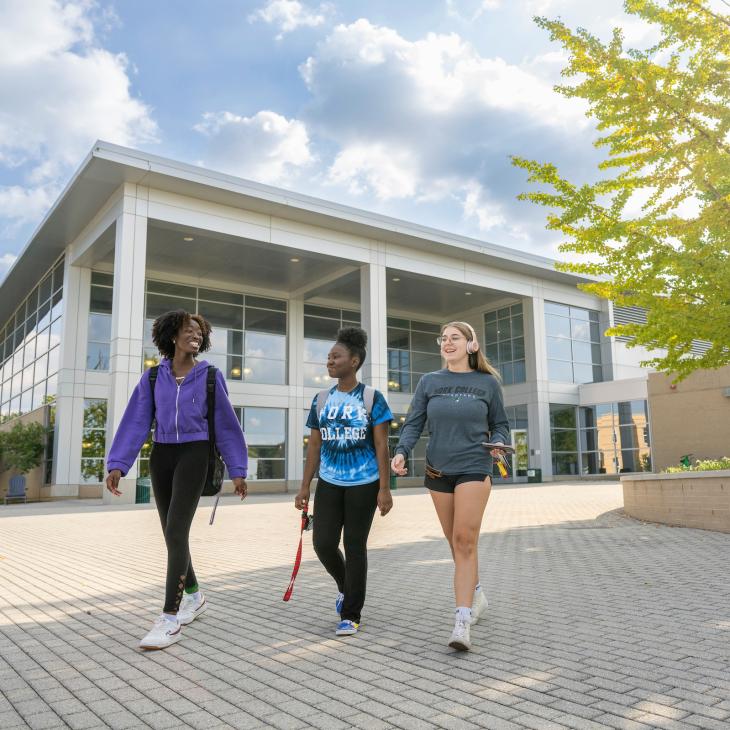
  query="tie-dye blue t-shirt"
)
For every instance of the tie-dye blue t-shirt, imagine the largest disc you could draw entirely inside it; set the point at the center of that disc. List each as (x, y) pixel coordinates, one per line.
(347, 456)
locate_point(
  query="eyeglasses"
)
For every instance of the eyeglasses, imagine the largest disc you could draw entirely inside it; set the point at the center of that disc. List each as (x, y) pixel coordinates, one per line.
(446, 340)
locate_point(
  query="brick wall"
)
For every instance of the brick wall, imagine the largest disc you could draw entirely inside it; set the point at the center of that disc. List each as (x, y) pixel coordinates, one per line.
(699, 500)
(692, 417)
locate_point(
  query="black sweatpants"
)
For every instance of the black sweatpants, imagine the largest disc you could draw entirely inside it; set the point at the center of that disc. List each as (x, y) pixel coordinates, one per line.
(346, 511)
(178, 474)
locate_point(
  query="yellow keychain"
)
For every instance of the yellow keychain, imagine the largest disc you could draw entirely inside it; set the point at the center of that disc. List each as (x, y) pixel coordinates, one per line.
(502, 463)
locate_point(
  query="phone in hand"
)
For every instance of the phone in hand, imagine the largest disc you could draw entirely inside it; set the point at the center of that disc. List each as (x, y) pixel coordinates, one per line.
(504, 447)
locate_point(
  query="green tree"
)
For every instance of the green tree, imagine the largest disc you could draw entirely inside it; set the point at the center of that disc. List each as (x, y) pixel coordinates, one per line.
(22, 447)
(663, 116)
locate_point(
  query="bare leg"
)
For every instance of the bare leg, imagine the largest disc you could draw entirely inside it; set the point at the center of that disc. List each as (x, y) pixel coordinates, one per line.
(444, 504)
(470, 501)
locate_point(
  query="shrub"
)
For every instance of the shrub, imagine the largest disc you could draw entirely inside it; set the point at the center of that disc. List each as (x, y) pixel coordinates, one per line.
(702, 465)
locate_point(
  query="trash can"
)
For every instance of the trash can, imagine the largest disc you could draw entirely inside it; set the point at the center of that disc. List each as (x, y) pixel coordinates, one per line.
(393, 482)
(142, 495)
(534, 476)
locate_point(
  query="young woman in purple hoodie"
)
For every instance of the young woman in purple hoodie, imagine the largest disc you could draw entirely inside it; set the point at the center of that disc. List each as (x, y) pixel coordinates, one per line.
(179, 458)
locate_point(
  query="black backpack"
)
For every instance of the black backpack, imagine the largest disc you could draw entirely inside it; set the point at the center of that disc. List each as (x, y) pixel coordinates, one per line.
(214, 478)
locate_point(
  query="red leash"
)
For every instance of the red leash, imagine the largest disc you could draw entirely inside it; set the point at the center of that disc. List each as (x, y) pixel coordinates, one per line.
(306, 522)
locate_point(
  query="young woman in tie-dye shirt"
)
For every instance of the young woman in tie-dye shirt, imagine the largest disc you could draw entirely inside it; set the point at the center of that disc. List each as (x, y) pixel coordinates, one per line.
(349, 445)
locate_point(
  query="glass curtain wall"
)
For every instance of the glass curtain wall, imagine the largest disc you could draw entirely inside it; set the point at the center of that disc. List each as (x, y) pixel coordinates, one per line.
(416, 463)
(30, 348)
(265, 430)
(412, 351)
(614, 438)
(504, 340)
(320, 332)
(93, 441)
(608, 438)
(573, 344)
(564, 439)
(249, 333)
(100, 321)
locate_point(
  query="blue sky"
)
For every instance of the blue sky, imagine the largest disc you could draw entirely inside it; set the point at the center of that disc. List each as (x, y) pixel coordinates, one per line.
(407, 108)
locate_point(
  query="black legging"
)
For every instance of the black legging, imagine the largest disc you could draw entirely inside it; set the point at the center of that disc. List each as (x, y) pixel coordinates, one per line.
(351, 508)
(178, 474)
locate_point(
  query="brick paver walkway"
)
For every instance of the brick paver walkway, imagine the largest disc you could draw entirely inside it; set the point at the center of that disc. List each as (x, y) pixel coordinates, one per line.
(596, 621)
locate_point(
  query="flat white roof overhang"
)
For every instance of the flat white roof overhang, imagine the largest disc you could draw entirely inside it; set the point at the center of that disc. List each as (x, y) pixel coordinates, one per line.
(109, 166)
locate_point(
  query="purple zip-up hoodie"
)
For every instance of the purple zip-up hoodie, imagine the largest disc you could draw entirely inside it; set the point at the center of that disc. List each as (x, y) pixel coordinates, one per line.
(181, 413)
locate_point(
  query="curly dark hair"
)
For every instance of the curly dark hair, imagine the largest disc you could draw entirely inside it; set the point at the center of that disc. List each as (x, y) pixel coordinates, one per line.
(354, 340)
(166, 327)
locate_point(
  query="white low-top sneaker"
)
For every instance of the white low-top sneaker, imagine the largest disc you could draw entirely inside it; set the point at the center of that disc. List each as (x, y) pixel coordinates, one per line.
(460, 637)
(479, 606)
(165, 632)
(191, 607)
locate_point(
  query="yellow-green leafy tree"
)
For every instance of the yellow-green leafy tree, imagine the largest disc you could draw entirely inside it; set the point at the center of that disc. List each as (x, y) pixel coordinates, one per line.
(663, 116)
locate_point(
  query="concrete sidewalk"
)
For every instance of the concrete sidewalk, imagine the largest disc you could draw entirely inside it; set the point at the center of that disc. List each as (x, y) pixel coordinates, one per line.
(595, 621)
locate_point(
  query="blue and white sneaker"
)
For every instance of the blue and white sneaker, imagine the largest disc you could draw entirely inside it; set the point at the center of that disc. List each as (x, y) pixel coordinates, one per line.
(347, 628)
(338, 603)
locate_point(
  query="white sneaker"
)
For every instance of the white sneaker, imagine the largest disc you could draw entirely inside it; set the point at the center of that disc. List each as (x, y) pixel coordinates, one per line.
(479, 606)
(165, 632)
(460, 637)
(191, 608)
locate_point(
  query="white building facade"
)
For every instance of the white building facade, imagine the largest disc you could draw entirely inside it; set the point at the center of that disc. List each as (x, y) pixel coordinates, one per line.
(277, 273)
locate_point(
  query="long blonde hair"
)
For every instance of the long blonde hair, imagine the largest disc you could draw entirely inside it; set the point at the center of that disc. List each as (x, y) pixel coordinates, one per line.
(477, 360)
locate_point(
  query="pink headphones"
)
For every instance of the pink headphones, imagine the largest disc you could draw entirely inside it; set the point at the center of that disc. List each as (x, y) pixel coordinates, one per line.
(472, 345)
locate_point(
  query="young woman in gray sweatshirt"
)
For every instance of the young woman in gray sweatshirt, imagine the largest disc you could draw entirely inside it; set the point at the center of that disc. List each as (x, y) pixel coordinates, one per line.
(464, 408)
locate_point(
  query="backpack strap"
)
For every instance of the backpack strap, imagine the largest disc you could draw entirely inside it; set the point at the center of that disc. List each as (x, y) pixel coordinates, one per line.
(368, 397)
(153, 380)
(210, 390)
(321, 400)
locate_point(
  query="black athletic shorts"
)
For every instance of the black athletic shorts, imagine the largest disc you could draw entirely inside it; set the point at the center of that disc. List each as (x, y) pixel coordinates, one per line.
(449, 482)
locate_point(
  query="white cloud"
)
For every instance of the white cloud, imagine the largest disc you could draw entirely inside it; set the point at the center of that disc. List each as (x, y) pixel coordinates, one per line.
(489, 214)
(469, 11)
(266, 147)
(31, 30)
(61, 91)
(636, 31)
(26, 204)
(433, 120)
(389, 172)
(440, 74)
(6, 261)
(289, 15)
(543, 7)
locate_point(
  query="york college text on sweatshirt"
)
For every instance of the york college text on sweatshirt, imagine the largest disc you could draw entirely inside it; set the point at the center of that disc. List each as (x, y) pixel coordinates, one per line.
(463, 410)
(181, 416)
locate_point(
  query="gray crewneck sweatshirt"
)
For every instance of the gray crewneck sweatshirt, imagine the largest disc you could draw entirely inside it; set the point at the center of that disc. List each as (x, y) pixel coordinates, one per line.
(463, 410)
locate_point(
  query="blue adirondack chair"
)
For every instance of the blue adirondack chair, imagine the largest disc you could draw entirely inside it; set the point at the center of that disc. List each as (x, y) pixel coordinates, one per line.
(16, 489)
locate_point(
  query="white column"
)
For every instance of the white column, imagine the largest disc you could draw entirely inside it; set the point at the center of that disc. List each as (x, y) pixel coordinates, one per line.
(130, 252)
(297, 401)
(373, 313)
(538, 407)
(71, 380)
